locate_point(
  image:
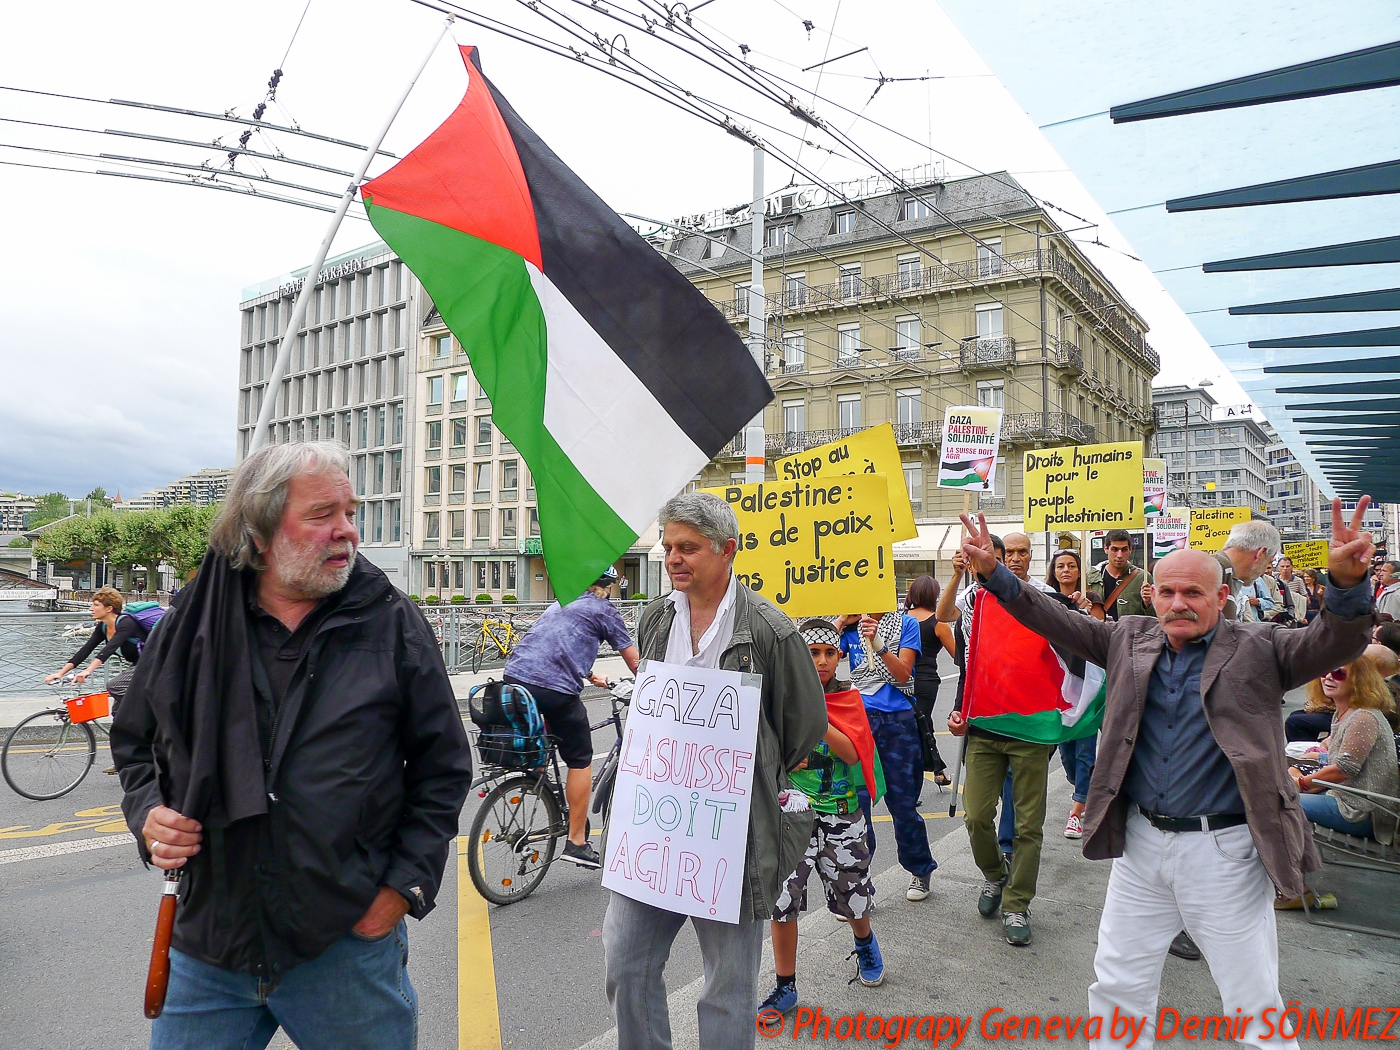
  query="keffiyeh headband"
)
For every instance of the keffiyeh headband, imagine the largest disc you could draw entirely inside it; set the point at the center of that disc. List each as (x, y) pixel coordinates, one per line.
(820, 632)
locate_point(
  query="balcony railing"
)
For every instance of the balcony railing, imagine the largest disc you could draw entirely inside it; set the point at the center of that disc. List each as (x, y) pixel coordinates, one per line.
(1064, 354)
(793, 441)
(987, 352)
(1027, 427)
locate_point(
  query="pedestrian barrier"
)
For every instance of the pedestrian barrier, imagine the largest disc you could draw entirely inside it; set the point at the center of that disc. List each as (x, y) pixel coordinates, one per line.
(458, 628)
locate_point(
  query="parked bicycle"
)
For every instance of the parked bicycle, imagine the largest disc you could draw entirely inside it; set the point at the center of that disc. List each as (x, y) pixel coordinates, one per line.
(50, 752)
(523, 815)
(494, 638)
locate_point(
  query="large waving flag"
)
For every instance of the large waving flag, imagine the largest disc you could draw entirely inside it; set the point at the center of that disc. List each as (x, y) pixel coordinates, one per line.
(614, 376)
(1019, 685)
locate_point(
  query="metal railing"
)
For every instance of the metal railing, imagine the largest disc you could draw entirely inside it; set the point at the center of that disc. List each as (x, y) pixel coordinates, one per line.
(34, 644)
(457, 627)
(987, 352)
(785, 443)
(1046, 426)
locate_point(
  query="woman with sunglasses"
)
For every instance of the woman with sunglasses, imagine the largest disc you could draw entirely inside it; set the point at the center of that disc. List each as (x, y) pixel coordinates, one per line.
(1360, 754)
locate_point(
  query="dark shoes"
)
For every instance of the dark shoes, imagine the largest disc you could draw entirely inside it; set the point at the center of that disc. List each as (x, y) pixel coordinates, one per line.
(1183, 947)
(1017, 925)
(989, 900)
(584, 856)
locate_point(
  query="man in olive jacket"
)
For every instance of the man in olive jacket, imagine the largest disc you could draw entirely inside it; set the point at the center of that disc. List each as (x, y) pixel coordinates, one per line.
(712, 620)
(1191, 792)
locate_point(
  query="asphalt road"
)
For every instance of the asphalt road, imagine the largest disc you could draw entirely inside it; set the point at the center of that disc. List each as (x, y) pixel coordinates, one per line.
(75, 932)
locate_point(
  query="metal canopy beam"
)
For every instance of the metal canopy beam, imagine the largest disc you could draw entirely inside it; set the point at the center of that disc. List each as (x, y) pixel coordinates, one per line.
(1339, 431)
(1364, 364)
(1354, 71)
(1360, 337)
(1366, 180)
(1376, 386)
(1390, 419)
(1349, 253)
(1347, 303)
(1385, 404)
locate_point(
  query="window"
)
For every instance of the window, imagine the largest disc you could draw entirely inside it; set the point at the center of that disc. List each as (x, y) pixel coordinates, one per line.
(360, 520)
(910, 271)
(794, 416)
(456, 525)
(916, 209)
(510, 475)
(459, 477)
(395, 523)
(845, 222)
(431, 524)
(848, 342)
(999, 480)
(495, 575)
(483, 430)
(430, 575)
(376, 523)
(435, 390)
(909, 405)
(533, 516)
(795, 289)
(432, 480)
(460, 386)
(457, 575)
(459, 432)
(914, 481)
(991, 394)
(794, 351)
(989, 321)
(779, 236)
(741, 299)
(909, 333)
(434, 434)
(848, 411)
(359, 470)
(397, 438)
(850, 280)
(713, 248)
(481, 524)
(376, 473)
(479, 574)
(482, 478)
(510, 575)
(362, 428)
(989, 257)
(508, 520)
(395, 471)
(380, 419)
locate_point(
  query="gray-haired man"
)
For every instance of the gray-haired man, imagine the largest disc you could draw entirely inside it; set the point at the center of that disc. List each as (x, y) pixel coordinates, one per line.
(1248, 554)
(291, 741)
(712, 620)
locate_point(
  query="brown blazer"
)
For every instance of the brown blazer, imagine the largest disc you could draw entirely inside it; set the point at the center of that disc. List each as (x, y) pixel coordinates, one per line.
(1248, 668)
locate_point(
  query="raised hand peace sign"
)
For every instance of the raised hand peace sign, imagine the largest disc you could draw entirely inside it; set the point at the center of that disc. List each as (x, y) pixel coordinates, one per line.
(1350, 551)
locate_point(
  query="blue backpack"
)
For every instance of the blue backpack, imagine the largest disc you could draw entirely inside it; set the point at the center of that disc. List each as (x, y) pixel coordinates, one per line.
(145, 615)
(512, 730)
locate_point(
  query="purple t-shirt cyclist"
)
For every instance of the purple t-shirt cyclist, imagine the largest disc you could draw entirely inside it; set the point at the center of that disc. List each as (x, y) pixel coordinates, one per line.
(559, 651)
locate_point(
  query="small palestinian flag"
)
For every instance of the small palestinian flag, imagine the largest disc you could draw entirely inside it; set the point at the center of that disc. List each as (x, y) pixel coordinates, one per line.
(961, 472)
(614, 376)
(1019, 685)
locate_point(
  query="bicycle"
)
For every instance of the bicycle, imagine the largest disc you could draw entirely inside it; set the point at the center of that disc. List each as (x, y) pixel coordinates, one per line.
(523, 814)
(49, 753)
(500, 635)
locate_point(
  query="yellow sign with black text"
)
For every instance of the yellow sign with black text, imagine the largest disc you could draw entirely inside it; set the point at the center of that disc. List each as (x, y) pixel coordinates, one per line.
(1084, 487)
(1210, 527)
(1311, 554)
(871, 451)
(816, 548)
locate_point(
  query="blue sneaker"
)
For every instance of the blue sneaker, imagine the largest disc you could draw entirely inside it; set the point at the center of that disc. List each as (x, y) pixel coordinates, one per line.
(870, 964)
(780, 1000)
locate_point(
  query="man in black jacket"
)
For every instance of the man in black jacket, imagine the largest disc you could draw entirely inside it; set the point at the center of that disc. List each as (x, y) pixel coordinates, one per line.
(291, 741)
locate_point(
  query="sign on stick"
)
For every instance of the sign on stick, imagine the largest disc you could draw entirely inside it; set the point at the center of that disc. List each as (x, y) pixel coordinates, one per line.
(968, 457)
(1309, 555)
(1169, 532)
(1210, 527)
(1083, 487)
(871, 451)
(1154, 488)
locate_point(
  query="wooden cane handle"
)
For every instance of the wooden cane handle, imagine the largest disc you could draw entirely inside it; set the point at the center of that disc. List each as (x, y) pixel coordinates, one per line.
(158, 977)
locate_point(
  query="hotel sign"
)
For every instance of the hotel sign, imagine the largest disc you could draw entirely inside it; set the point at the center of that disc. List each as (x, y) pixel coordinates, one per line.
(330, 273)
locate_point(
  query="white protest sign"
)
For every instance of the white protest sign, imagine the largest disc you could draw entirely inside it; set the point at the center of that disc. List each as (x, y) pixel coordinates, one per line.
(1169, 532)
(968, 457)
(680, 811)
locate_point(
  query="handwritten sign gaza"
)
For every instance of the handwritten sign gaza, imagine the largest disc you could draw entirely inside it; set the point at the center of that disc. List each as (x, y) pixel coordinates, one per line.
(679, 827)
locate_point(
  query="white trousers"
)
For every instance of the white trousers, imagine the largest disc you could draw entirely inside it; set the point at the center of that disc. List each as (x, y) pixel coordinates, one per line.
(1210, 884)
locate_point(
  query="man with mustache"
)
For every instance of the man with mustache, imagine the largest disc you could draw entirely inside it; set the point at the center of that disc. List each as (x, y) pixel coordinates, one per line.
(292, 743)
(1190, 792)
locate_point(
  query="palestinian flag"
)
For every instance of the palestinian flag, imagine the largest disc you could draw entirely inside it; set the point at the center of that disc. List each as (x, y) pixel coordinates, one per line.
(961, 472)
(1019, 685)
(846, 711)
(614, 376)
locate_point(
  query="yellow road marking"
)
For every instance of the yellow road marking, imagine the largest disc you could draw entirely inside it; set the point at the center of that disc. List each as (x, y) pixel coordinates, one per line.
(478, 1015)
(105, 820)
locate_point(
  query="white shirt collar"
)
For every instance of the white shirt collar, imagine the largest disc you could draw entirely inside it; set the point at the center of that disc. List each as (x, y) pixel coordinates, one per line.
(716, 637)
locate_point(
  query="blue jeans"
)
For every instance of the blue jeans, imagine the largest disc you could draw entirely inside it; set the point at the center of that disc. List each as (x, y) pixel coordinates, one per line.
(1322, 809)
(1006, 826)
(1078, 758)
(355, 996)
(901, 756)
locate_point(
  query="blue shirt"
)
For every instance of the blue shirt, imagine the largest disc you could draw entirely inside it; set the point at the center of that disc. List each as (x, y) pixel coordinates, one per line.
(887, 697)
(558, 652)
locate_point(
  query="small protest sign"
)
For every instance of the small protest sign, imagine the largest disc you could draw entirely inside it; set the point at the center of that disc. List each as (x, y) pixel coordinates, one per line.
(679, 826)
(816, 548)
(1169, 532)
(1082, 487)
(1210, 528)
(871, 451)
(1154, 488)
(1309, 555)
(968, 457)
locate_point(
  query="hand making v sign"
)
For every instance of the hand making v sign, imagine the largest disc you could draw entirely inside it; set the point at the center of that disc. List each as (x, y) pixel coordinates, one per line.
(1350, 550)
(977, 548)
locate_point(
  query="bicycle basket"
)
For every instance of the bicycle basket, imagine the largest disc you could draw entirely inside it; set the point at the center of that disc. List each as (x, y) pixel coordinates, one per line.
(512, 731)
(89, 707)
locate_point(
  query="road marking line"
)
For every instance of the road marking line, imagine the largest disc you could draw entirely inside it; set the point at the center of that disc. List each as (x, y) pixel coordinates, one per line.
(55, 849)
(478, 1015)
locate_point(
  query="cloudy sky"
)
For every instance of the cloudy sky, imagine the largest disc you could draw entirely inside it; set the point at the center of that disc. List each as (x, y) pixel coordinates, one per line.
(118, 326)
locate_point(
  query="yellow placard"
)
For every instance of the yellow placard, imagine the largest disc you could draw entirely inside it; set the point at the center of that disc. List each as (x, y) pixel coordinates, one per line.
(1210, 528)
(1309, 555)
(1081, 487)
(816, 548)
(871, 451)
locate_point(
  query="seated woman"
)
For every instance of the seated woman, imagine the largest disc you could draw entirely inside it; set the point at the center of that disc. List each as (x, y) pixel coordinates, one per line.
(1360, 754)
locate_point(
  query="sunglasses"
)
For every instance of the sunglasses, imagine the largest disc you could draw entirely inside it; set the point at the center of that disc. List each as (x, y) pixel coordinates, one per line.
(1339, 675)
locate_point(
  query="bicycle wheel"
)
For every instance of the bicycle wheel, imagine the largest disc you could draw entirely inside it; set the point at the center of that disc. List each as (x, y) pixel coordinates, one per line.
(479, 651)
(512, 839)
(603, 787)
(51, 758)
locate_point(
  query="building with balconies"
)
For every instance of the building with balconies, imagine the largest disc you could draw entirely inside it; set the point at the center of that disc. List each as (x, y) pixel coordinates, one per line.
(1214, 453)
(890, 303)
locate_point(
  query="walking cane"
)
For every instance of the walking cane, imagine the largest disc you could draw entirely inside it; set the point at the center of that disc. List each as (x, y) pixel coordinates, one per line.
(957, 776)
(158, 977)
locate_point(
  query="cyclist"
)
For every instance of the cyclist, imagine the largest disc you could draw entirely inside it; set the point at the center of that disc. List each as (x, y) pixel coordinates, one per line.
(116, 634)
(552, 661)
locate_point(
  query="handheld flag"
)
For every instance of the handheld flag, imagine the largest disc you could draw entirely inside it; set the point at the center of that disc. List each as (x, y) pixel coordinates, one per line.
(612, 374)
(846, 711)
(1021, 686)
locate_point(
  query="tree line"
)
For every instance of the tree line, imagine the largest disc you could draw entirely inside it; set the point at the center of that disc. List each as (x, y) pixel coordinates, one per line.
(178, 536)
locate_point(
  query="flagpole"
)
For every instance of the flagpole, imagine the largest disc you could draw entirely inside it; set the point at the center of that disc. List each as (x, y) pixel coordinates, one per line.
(289, 334)
(755, 445)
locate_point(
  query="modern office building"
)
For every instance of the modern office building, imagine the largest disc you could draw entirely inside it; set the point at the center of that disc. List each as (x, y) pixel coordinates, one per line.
(14, 509)
(1214, 453)
(351, 379)
(889, 304)
(1294, 500)
(202, 488)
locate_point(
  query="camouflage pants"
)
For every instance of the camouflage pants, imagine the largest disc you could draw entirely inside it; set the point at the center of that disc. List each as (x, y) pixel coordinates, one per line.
(839, 853)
